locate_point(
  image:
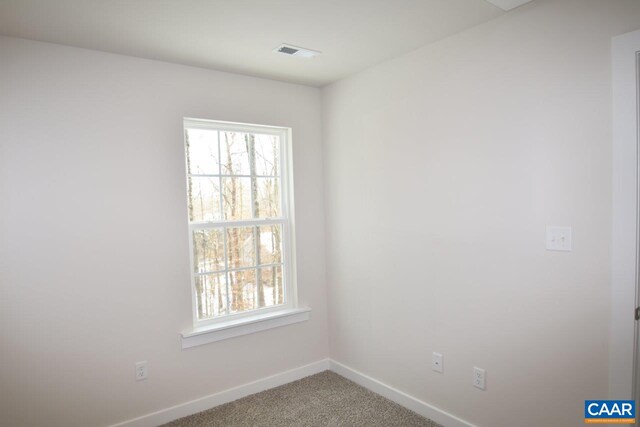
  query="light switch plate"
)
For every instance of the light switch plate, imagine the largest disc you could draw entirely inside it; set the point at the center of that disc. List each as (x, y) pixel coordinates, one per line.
(559, 238)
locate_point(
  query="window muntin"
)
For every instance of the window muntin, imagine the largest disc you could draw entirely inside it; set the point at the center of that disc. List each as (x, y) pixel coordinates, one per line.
(239, 224)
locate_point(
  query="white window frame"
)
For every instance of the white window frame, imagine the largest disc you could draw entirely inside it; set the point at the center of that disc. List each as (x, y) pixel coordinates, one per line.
(624, 349)
(230, 325)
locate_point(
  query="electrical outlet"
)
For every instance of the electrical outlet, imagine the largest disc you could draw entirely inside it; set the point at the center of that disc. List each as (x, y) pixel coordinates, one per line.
(141, 371)
(436, 362)
(479, 378)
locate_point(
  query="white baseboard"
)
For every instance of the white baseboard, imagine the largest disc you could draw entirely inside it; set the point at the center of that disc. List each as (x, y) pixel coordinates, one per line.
(188, 408)
(401, 398)
(173, 413)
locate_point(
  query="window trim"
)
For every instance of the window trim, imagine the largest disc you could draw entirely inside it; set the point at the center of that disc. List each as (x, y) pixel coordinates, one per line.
(248, 325)
(287, 219)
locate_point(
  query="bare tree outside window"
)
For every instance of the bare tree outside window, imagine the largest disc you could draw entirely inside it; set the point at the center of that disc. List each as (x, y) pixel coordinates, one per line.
(236, 219)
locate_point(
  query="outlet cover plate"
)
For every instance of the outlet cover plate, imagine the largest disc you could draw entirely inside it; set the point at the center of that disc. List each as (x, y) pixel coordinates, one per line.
(436, 362)
(141, 371)
(479, 378)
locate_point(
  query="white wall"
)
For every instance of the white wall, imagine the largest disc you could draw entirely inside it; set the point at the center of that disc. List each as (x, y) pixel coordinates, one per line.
(94, 272)
(442, 169)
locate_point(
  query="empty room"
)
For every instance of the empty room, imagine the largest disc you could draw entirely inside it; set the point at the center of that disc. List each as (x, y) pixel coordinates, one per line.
(319, 213)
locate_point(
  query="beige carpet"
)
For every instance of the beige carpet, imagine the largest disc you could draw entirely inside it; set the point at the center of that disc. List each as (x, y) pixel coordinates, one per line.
(324, 399)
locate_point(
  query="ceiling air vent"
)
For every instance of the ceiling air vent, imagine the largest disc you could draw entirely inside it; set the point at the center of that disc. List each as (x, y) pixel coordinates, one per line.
(287, 49)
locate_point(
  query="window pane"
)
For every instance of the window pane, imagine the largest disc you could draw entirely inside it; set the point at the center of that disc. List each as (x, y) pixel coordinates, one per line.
(268, 198)
(204, 199)
(236, 198)
(243, 290)
(202, 152)
(240, 247)
(270, 244)
(208, 250)
(211, 295)
(271, 288)
(267, 155)
(234, 152)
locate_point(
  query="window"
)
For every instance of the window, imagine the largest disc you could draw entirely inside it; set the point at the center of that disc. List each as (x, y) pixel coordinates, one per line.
(240, 222)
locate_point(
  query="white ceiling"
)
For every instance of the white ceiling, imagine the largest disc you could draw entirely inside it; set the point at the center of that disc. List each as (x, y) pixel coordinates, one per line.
(239, 35)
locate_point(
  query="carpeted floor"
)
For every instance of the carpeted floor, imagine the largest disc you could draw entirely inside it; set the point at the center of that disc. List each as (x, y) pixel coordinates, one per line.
(324, 399)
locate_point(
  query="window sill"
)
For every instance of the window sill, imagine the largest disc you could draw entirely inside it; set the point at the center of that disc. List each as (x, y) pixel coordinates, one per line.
(244, 326)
